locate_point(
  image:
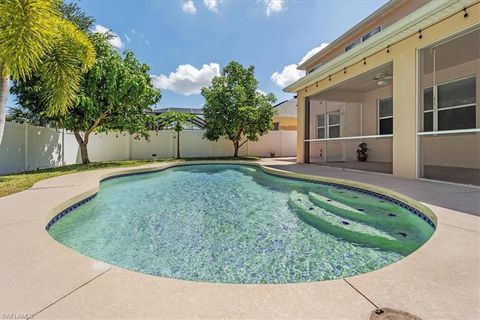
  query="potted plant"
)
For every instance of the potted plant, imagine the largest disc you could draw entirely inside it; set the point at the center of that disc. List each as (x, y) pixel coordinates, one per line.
(362, 152)
(272, 154)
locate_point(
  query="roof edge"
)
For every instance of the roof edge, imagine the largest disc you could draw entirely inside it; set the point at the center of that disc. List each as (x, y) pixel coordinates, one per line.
(381, 39)
(350, 31)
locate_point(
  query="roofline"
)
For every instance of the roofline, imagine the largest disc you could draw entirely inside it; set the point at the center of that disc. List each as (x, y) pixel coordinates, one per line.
(421, 18)
(283, 102)
(352, 30)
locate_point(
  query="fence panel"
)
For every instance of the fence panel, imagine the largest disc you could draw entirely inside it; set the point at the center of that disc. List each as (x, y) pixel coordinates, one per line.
(26, 147)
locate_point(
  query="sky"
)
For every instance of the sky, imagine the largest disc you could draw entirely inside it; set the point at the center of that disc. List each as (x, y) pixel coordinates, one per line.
(187, 42)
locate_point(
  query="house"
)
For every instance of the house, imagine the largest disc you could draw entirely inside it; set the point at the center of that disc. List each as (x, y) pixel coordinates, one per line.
(405, 81)
(286, 116)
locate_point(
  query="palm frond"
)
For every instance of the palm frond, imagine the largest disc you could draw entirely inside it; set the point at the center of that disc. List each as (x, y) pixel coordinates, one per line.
(61, 71)
(26, 33)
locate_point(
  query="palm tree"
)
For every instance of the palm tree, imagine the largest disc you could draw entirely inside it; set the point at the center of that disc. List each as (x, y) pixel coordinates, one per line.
(34, 38)
(177, 121)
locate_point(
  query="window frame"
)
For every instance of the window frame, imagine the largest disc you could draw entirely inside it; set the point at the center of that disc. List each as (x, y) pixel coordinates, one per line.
(326, 124)
(334, 125)
(435, 108)
(321, 126)
(382, 118)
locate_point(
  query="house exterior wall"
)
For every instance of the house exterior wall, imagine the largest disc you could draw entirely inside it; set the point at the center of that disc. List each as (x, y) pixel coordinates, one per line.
(387, 18)
(286, 123)
(403, 56)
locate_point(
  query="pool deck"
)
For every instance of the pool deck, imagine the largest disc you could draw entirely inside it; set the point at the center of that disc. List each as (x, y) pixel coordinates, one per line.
(41, 278)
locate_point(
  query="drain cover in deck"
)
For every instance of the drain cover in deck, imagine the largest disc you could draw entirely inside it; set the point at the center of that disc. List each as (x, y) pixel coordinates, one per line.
(392, 314)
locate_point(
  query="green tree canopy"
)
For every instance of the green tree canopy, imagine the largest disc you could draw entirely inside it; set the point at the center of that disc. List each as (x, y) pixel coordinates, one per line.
(35, 38)
(114, 95)
(30, 92)
(235, 109)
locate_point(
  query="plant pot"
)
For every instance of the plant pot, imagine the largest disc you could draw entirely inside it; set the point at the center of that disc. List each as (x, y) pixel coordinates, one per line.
(272, 154)
(362, 157)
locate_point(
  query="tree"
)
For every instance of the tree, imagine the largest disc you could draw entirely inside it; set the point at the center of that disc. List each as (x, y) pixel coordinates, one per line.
(34, 38)
(235, 109)
(114, 95)
(30, 92)
(176, 121)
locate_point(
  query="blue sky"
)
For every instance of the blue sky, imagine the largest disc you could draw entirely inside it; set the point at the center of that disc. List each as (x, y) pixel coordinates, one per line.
(204, 35)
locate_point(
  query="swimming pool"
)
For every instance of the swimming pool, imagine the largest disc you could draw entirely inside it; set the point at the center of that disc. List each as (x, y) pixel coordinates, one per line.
(235, 223)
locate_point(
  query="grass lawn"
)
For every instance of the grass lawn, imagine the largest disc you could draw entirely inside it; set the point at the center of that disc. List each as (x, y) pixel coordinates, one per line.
(17, 182)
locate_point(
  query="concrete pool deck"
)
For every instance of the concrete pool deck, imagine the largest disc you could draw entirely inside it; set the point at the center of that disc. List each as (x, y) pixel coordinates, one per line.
(41, 278)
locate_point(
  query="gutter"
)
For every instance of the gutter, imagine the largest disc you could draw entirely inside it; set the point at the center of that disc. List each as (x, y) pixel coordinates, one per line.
(419, 19)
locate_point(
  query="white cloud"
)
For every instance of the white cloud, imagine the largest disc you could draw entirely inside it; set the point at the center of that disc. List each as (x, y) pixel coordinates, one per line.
(212, 5)
(273, 6)
(187, 80)
(127, 38)
(290, 73)
(115, 40)
(287, 76)
(189, 7)
(312, 52)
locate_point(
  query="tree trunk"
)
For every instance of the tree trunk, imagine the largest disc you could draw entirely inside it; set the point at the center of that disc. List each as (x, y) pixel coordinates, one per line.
(178, 144)
(83, 146)
(236, 146)
(3, 102)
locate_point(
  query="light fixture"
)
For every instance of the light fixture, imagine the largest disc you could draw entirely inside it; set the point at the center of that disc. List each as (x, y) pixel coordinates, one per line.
(382, 79)
(382, 82)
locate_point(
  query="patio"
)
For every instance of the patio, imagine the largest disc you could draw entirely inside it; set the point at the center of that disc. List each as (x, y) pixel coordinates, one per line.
(44, 279)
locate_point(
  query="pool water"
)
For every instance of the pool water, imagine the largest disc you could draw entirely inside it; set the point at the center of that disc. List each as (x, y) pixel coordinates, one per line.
(238, 224)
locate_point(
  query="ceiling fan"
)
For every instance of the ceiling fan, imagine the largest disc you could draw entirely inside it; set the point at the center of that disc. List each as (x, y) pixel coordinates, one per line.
(382, 79)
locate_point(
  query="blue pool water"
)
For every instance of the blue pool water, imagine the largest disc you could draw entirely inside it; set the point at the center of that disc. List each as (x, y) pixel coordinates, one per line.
(237, 224)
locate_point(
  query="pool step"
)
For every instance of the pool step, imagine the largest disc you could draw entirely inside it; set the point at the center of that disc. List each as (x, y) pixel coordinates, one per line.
(355, 200)
(345, 228)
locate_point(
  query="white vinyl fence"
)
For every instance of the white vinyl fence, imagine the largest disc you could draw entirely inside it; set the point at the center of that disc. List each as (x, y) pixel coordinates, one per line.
(25, 147)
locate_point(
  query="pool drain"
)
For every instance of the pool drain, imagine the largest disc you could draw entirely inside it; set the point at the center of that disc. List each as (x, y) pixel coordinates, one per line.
(391, 314)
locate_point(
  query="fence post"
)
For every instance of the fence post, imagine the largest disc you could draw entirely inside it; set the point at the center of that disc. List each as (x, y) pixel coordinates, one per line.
(63, 146)
(26, 147)
(281, 151)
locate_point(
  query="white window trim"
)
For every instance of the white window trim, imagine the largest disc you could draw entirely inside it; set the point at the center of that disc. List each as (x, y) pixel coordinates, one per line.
(326, 125)
(321, 127)
(435, 109)
(334, 125)
(381, 118)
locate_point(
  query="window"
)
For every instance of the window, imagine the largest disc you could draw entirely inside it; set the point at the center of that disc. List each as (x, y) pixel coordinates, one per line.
(452, 108)
(276, 126)
(353, 44)
(334, 125)
(363, 38)
(385, 116)
(371, 33)
(320, 126)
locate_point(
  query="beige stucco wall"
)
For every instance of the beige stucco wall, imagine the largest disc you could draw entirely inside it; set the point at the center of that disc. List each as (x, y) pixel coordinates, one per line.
(286, 123)
(403, 55)
(395, 13)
